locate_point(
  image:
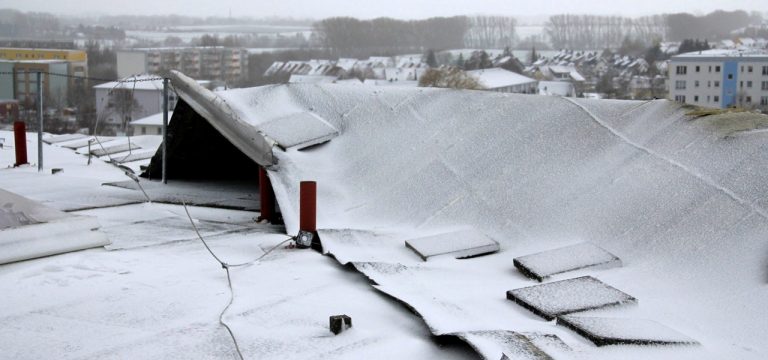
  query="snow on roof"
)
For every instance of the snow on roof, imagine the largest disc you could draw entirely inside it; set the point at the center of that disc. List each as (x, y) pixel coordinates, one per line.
(311, 79)
(156, 284)
(638, 179)
(138, 82)
(352, 81)
(498, 78)
(152, 120)
(724, 53)
(391, 83)
(555, 148)
(29, 230)
(557, 88)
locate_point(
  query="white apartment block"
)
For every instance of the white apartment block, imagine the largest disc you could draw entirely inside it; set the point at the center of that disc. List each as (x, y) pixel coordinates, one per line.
(720, 78)
(209, 63)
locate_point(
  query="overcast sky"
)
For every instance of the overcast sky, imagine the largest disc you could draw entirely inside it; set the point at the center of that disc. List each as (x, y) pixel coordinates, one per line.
(408, 9)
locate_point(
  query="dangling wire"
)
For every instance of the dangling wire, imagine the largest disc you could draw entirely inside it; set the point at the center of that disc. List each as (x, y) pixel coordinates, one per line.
(226, 267)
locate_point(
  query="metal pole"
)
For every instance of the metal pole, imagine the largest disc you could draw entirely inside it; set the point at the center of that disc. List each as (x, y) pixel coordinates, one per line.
(165, 129)
(40, 121)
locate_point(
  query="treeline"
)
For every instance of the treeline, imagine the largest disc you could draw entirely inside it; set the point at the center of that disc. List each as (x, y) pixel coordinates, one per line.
(715, 25)
(347, 36)
(490, 32)
(156, 22)
(19, 25)
(600, 32)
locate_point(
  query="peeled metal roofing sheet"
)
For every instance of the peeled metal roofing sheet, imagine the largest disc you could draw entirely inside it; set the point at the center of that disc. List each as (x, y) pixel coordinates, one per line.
(544, 264)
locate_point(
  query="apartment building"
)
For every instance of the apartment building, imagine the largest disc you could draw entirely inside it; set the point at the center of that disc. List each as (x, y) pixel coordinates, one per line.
(720, 78)
(210, 63)
(63, 71)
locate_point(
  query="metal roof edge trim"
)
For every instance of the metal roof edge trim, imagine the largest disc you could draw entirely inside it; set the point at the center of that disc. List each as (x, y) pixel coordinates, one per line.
(215, 110)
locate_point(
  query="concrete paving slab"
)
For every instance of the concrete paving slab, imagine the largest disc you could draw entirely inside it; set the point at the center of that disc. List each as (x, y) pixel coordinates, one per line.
(568, 296)
(62, 138)
(542, 265)
(460, 244)
(616, 331)
(299, 130)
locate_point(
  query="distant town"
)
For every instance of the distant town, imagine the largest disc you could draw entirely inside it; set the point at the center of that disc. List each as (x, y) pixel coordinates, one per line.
(102, 76)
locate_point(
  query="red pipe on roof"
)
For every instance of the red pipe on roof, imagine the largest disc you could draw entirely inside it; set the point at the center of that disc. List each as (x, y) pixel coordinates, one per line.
(20, 139)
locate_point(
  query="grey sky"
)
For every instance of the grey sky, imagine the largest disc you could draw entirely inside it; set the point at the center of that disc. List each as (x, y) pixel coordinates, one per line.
(368, 9)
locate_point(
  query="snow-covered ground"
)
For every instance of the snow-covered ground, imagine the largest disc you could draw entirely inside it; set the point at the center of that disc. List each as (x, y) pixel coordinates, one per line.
(155, 292)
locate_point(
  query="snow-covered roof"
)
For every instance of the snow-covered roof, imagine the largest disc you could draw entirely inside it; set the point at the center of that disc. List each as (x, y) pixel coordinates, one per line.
(720, 54)
(640, 181)
(461, 158)
(138, 82)
(557, 88)
(311, 79)
(498, 78)
(151, 120)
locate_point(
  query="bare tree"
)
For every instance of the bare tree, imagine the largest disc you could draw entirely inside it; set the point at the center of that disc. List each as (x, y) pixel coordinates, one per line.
(453, 78)
(122, 103)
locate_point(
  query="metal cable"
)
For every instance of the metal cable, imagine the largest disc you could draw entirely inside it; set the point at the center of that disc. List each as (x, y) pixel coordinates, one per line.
(226, 267)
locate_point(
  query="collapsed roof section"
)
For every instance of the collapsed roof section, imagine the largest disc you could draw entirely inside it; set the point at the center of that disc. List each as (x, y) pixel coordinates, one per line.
(681, 202)
(213, 108)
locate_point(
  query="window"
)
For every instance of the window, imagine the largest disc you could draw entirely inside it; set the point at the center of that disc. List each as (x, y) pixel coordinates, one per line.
(717, 98)
(698, 68)
(708, 98)
(709, 83)
(680, 85)
(764, 100)
(749, 100)
(765, 70)
(682, 70)
(764, 85)
(159, 131)
(749, 84)
(717, 68)
(717, 83)
(710, 68)
(696, 83)
(730, 76)
(696, 98)
(742, 68)
(143, 130)
(680, 98)
(749, 68)
(741, 84)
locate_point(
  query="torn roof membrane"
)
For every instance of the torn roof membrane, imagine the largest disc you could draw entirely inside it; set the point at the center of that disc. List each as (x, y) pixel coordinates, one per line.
(30, 230)
(677, 202)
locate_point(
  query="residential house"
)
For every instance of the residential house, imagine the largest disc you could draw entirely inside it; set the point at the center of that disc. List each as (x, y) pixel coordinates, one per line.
(497, 79)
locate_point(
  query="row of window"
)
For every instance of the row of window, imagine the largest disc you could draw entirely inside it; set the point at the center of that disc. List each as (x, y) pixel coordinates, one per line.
(683, 69)
(716, 99)
(682, 84)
